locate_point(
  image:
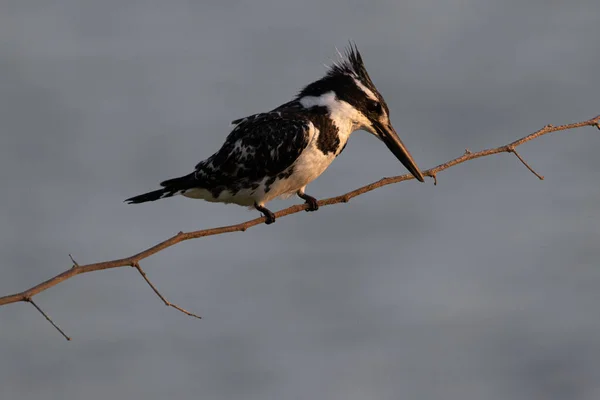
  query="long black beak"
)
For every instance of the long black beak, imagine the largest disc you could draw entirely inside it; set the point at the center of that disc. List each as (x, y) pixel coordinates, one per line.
(389, 136)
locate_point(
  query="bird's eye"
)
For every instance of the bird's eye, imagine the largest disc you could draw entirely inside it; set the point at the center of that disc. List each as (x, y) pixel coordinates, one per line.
(374, 106)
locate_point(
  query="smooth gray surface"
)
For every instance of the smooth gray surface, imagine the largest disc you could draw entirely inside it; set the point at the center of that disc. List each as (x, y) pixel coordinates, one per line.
(484, 287)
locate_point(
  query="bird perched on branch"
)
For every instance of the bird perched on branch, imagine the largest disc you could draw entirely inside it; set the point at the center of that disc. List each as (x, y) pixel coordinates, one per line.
(277, 153)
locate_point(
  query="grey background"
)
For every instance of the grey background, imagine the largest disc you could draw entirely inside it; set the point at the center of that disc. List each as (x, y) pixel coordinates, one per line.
(484, 287)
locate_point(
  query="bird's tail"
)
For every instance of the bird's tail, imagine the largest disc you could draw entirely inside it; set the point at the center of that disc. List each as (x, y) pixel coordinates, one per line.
(172, 187)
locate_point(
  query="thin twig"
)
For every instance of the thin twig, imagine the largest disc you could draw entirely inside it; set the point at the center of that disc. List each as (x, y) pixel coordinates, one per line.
(514, 151)
(167, 303)
(75, 265)
(48, 318)
(181, 236)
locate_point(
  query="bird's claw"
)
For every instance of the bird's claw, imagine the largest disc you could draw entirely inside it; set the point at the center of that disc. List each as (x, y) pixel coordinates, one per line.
(313, 204)
(269, 216)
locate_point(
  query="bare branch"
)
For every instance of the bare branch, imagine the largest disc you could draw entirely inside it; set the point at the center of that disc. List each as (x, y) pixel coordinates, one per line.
(167, 303)
(26, 296)
(48, 318)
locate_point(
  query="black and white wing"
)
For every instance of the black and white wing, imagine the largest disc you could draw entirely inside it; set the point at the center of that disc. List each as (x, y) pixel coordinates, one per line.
(259, 146)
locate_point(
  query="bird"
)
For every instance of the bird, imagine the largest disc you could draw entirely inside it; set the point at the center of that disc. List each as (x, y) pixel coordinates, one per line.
(276, 154)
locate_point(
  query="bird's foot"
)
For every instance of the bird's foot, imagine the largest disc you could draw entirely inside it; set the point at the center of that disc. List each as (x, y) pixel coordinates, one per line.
(269, 216)
(313, 204)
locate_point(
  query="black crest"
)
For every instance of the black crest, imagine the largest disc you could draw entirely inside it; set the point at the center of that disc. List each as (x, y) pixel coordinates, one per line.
(351, 63)
(341, 78)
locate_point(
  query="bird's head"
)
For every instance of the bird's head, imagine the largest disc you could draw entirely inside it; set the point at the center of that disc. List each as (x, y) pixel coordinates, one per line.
(353, 102)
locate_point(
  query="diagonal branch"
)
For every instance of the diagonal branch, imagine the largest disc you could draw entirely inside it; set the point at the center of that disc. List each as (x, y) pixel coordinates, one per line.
(540, 177)
(134, 260)
(30, 300)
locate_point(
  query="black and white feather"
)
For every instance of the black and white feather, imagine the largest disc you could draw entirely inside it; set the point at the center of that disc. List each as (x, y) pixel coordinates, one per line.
(277, 153)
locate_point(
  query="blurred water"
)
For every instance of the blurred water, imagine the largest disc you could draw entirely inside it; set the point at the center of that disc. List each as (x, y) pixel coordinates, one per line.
(483, 287)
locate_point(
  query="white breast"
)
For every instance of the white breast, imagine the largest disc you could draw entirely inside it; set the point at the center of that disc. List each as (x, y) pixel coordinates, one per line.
(309, 166)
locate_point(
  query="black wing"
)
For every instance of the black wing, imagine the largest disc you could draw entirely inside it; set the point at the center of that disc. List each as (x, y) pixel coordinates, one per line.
(261, 145)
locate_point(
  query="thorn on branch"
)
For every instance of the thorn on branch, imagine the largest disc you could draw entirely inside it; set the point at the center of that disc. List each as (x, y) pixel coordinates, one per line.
(75, 265)
(467, 151)
(30, 300)
(434, 176)
(136, 265)
(511, 149)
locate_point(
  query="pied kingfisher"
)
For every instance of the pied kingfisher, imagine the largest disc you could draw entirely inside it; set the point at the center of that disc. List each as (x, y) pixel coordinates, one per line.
(277, 153)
